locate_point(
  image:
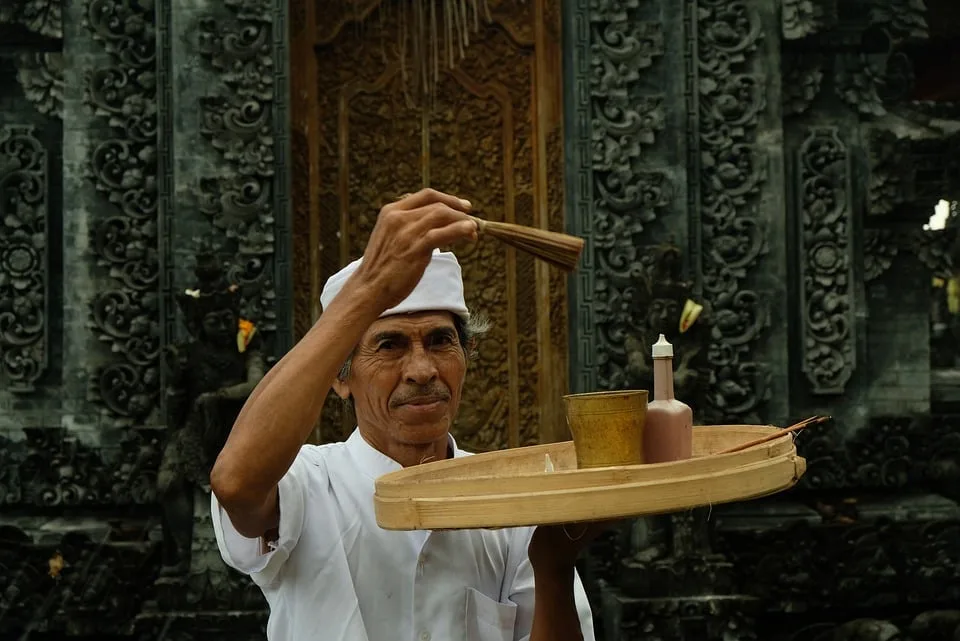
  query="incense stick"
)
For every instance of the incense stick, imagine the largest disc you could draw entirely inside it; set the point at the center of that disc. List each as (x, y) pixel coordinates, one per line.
(814, 420)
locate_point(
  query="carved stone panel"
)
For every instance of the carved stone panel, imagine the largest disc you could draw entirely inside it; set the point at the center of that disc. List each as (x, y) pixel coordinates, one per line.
(24, 269)
(826, 261)
(246, 199)
(612, 201)
(616, 52)
(739, 217)
(122, 167)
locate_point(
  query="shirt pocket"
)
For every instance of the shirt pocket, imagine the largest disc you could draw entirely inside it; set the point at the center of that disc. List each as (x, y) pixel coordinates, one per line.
(489, 620)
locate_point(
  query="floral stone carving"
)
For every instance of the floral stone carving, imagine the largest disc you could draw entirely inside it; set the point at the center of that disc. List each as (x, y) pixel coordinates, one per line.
(23, 258)
(731, 96)
(124, 316)
(826, 265)
(240, 123)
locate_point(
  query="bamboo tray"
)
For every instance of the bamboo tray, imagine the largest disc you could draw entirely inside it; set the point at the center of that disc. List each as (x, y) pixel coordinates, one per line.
(512, 488)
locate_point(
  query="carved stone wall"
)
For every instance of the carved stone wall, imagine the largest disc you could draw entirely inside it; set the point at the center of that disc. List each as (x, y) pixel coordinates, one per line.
(642, 183)
(772, 162)
(783, 149)
(127, 131)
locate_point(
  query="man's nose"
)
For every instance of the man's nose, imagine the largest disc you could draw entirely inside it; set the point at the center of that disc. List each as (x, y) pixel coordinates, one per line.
(419, 367)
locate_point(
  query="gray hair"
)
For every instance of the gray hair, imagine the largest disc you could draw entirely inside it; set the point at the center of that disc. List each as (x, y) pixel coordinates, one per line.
(468, 331)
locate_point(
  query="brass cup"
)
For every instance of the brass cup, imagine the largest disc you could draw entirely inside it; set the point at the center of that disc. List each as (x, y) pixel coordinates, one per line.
(607, 427)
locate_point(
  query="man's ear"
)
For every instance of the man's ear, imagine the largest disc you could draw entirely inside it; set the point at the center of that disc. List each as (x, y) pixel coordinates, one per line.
(341, 388)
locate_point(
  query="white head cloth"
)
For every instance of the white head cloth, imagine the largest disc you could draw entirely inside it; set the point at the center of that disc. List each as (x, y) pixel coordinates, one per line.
(440, 288)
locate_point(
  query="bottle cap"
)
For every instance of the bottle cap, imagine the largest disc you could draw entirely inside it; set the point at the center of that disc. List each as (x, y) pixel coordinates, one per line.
(662, 349)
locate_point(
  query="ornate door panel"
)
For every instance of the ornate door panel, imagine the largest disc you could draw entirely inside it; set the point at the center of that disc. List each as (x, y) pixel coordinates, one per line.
(490, 132)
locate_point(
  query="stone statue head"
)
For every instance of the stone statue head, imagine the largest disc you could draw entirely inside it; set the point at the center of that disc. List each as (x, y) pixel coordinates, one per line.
(212, 309)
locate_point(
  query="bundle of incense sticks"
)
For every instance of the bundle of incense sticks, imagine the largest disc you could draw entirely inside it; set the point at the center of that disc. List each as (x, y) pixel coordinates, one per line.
(814, 420)
(560, 250)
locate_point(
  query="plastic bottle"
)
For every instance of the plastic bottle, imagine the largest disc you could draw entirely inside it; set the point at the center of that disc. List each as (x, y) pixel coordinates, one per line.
(668, 433)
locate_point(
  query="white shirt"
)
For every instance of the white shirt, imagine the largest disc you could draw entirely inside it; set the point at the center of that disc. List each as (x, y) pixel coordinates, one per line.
(335, 575)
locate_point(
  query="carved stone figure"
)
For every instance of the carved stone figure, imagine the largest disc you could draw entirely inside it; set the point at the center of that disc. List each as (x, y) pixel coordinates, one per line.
(209, 378)
(660, 306)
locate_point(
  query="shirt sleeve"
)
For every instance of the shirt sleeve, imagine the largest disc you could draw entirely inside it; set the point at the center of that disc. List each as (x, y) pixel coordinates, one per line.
(522, 593)
(260, 560)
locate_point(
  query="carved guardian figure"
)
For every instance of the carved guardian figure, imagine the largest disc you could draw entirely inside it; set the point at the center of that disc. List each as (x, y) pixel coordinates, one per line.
(209, 378)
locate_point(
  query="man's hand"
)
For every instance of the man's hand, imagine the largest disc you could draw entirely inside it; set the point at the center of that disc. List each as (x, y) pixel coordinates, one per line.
(402, 241)
(554, 548)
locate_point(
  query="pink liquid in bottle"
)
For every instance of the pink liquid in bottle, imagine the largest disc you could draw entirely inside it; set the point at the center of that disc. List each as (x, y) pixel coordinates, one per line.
(668, 434)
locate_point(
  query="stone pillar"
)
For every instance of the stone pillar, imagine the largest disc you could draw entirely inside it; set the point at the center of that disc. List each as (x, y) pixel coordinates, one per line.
(223, 178)
(228, 81)
(83, 132)
(639, 77)
(675, 179)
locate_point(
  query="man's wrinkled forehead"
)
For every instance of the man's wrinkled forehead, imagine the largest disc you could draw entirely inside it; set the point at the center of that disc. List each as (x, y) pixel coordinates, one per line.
(420, 323)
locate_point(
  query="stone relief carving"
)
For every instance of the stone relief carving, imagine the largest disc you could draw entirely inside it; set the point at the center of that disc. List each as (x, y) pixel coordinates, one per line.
(801, 18)
(802, 79)
(245, 199)
(862, 52)
(242, 292)
(624, 121)
(890, 183)
(826, 266)
(937, 250)
(655, 302)
(894, 453)
(879, 251)
(49, 467)
(852, 557)
(209, 378)
(858, 79)
(40, 74)
(85, 578)
(42, 17)
(686, 619)
(122, 167)
(23, 258)
(732, 170)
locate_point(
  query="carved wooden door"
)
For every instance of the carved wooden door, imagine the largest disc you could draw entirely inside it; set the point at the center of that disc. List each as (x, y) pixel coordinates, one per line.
(491, 133)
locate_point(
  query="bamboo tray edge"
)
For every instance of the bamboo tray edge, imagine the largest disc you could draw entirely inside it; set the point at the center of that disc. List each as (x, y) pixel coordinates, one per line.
(474, 492)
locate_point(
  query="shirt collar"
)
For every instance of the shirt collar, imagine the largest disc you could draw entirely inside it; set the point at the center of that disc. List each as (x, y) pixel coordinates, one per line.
(374, 463)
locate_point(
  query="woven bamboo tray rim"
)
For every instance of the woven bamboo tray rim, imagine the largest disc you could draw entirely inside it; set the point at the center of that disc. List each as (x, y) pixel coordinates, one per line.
(453, 477)
(589, 504)
(511, 487)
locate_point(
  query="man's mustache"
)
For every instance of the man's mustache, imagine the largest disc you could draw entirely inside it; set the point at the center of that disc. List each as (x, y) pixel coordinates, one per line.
(421, 395)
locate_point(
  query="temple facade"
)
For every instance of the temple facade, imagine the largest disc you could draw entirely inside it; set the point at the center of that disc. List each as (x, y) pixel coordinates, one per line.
(178, 179)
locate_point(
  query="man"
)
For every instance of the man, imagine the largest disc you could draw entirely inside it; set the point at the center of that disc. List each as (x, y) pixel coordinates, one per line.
(299, 519)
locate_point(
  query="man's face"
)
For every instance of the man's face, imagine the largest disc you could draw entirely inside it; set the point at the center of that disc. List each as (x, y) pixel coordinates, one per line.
(407, 376)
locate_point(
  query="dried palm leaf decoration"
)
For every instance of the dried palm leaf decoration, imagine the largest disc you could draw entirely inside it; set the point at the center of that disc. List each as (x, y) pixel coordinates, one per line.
(434, 35)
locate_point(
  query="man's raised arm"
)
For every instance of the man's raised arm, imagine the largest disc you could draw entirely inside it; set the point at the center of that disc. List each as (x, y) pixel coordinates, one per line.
(281, 412)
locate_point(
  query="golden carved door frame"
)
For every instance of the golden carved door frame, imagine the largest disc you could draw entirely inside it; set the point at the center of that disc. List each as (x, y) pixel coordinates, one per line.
(492, 133)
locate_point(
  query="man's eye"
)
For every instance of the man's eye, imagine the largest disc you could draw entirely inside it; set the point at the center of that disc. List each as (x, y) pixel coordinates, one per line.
(386, 345)
(443, 339)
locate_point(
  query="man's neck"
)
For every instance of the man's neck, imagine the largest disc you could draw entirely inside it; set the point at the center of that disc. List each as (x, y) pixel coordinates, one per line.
(408, 455)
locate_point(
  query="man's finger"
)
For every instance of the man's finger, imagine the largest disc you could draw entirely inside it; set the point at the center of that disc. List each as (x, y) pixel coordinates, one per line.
(444, 236)
(435, 216)
(429, 196)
